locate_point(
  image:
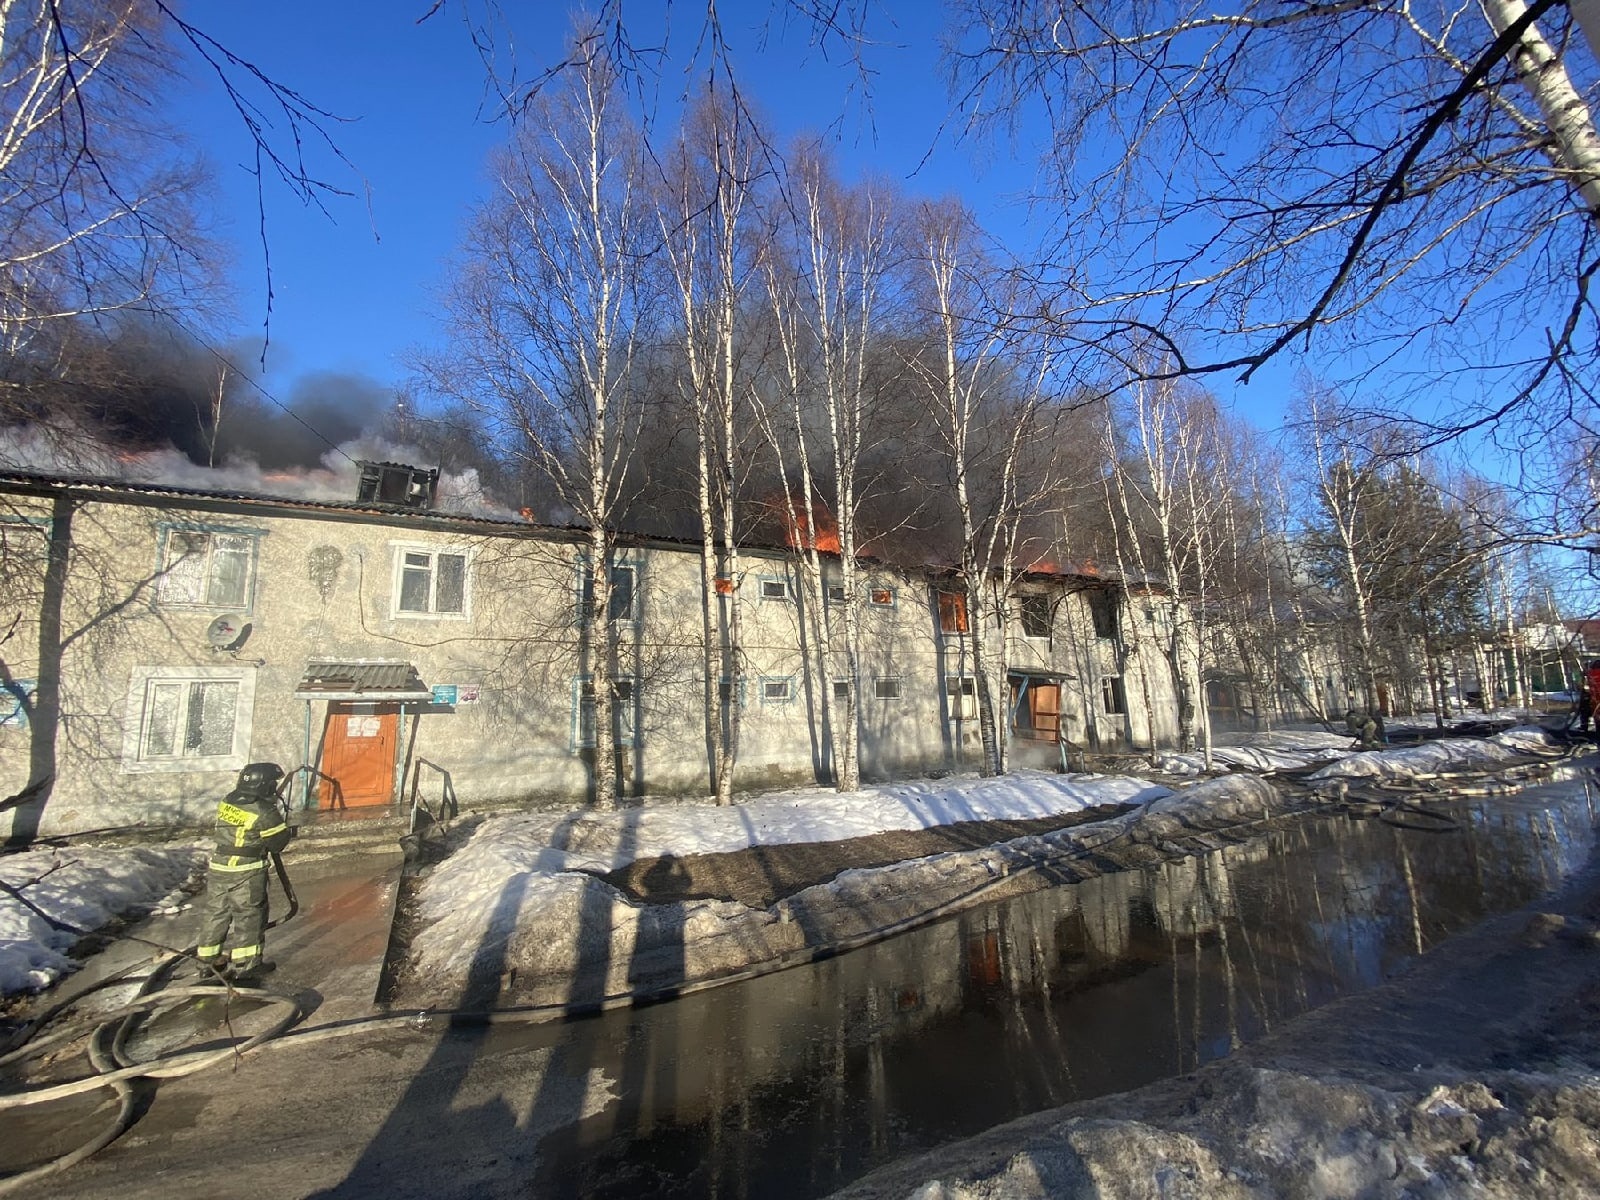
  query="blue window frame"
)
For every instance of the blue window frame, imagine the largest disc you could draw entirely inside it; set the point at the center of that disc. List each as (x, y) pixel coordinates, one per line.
(624, 711)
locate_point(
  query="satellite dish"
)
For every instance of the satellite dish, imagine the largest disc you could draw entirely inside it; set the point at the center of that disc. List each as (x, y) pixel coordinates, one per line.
(227, 632)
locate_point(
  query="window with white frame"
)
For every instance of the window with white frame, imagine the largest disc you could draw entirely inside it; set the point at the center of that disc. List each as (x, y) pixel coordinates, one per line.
(207, 568)
(777, 689)
(774, 588)
(836, 593)
(962, 693)
(880, 597)
(430, 582)
(886, 687)
(624, 712)
(188, 719)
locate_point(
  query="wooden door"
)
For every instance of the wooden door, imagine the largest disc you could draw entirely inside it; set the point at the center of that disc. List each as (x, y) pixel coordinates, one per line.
(358, 748)
(1044, 704)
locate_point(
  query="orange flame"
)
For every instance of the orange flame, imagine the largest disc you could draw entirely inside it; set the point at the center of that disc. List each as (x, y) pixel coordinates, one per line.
(816, 530)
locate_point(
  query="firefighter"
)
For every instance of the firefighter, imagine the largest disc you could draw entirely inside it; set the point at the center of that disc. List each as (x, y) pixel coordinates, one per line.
(250, 826)
(1366, 728)
(1589, 696)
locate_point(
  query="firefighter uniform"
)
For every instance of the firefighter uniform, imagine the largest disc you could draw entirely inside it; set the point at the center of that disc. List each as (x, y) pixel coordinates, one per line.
(250, 826)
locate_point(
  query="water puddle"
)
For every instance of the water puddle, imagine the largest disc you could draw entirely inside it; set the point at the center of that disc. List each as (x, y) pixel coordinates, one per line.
(795, 1084)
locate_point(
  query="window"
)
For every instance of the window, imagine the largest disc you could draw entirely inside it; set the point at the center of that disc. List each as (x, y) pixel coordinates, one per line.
(886, 687)
(880, 597)
(962, 692)
(206, 568)
(1035, 613)
(952, 612)
(430, 583)
(624, 602)
(188, 719)
(1103, 608)
(841, 691)
(773, 588)
(16, 702)
(836, 593)
(776, 689)
(624, 712)
(1114, 699)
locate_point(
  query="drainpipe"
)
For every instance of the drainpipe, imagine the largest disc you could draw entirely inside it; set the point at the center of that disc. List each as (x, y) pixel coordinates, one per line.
(305, 787)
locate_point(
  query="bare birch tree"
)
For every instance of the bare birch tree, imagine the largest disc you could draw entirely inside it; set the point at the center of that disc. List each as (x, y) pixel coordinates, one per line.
(1167, 478)
(547, 313)
(829, 302)
(707, 233)
(987, 398)
(1415, 176)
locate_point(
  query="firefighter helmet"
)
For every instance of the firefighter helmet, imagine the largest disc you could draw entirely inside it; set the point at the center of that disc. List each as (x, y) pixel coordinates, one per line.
(261, 778)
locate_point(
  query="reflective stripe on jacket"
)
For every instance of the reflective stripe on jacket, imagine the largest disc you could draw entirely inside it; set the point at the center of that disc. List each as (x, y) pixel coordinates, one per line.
(249, 826)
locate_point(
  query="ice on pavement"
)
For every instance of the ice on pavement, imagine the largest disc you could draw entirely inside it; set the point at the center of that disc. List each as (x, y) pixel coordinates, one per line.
(83, 888)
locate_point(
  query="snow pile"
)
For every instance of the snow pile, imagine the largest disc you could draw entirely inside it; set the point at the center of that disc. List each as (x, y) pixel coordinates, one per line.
(512, 897)
(1444, 755)
(593, 841)
(1258, 1134)
(1279, 750)
(511, 919)
(1527, 739)
(79, 887)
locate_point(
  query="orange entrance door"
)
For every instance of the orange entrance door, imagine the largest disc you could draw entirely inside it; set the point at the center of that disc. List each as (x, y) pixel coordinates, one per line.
(358, 747)
(1044, 703)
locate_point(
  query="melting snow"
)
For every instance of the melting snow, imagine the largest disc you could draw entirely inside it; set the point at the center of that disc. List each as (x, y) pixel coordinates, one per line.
(81, 887)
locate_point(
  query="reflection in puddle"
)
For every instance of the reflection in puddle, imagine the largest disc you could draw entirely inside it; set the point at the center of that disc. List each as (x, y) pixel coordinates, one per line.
(795, 1084)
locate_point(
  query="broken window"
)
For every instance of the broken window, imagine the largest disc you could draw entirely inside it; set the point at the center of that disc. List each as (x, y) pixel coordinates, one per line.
(841, 691)
(1034, 609)
(881, 597)
(1112, 697)
(1103, 609)
(952, 612)
(206, 568)
(836, 593)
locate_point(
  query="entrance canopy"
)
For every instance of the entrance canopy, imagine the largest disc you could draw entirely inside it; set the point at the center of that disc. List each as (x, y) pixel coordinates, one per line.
(376, 680)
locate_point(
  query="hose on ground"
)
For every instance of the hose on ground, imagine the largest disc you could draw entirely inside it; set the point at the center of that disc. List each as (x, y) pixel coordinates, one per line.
(114, 1065)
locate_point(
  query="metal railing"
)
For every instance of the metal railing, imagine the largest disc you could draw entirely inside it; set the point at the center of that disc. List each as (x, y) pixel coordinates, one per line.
(448, 808)
(312, 775)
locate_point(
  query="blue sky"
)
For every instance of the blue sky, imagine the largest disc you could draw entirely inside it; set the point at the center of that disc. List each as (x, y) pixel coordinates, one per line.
(353, 292)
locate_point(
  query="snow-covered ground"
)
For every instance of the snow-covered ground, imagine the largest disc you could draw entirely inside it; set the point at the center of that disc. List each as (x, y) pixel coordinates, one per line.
(1280, 750)
(518, 872)
(83, 888)
(1446, 754)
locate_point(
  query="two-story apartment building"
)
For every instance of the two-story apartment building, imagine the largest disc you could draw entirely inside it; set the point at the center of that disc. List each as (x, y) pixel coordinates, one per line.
(155, 639)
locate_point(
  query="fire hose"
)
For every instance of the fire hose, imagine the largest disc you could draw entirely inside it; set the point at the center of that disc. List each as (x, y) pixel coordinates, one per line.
(108, 1052)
